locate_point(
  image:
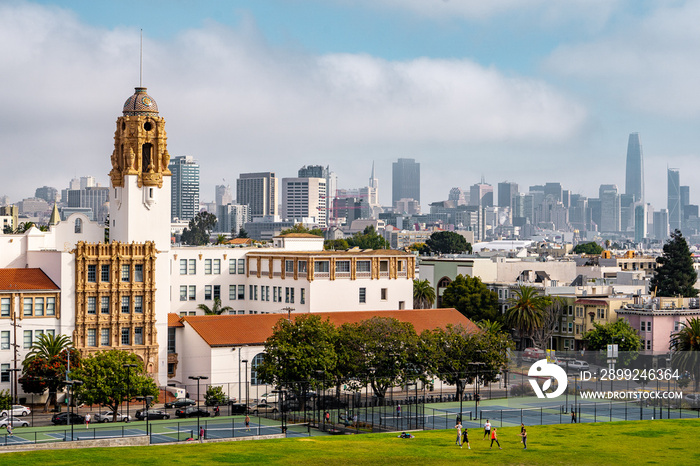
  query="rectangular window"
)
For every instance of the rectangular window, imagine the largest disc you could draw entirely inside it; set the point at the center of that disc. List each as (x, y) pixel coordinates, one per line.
(92, 305)
(291, 295)
(5, 307)
(192, 292)
(217, 267)
(92, 273)
(171, 340)
(643, 326)
(232, 292)
(250, 291)
(51, 332)
(301, 266)
(321, 266)
(401, 266)
(193, 267)
(288, 266)
(232, 266)
(286, 294)
(183, 266)
(104, 337)
(241, 292)
(27, 306)
(207, 266)
(207, 292)
(217, 291)
(274, 294)
(183, 292)
(571, 327)
(302, 298)
(5, 339)
(138, 304)
(384, 293)
(126, 275)
(383, 266)
(4, 372)
(50, 306)
(92, 337)
(363, 297)
(649, 326)
(126, 336)
(676, 326)
(138, 335)
(104, 305)
(38, 306)
(27, 339)
(571, 310)
(104, 273)
(126, 304)
(342, 266)
(648, 344)
(138, 272)
(241, 266)
(363, 266)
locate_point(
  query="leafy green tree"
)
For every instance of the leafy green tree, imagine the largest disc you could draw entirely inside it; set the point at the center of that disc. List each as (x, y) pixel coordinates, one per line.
(108, 383)
(619, 332)
(44, 367)
(448, 242)
(215, 396)
(336, 245)
(221, 239)
(300, 228)
(368, 239)
(198, 231)
(242, 233)
(5, 399)
(423, 294)
(472, 298)
(215, 310)
(591, 248)
(526, 312)
(685, 345)
(675, 275)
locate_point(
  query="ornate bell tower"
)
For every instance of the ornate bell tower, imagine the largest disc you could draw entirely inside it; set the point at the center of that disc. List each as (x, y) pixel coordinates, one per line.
(140, 197)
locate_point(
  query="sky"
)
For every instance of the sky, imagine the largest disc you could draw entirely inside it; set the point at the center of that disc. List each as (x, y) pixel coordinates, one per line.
(530, 91)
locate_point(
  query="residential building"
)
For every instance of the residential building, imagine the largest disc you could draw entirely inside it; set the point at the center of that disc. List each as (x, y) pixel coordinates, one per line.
(259, 192)
(185, 187)
(305, 198)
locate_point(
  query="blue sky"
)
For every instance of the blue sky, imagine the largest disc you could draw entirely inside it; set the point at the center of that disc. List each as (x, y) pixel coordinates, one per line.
(530, 91)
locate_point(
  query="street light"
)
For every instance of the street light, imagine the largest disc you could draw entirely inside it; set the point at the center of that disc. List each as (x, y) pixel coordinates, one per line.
(71, 394)
(146, 402)
(240, 350)
(198, 378)
(128, 386)
(245, 361)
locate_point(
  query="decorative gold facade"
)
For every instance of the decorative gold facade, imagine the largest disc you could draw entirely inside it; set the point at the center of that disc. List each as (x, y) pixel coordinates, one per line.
(140, 143)
(115, 299)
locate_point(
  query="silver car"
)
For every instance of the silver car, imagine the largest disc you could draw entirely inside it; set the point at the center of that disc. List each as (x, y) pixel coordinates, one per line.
(108, 416)
(15, 421)
(17, 410)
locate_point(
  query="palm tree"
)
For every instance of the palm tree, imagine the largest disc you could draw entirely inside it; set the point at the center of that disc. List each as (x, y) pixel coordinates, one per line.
(47, 358)
(526, 313)
(221, 239)
(423, 294)
(490, 326)
(48, 346)
(216, 309)
(685, 345)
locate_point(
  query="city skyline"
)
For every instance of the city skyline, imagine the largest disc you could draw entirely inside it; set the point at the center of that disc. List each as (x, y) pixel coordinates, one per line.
(272, 87)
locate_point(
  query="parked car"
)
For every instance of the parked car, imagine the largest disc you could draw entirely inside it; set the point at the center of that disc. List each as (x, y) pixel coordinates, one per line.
(238, 408)
(574, 364)
(180, 403)
(108, 416)
(62, 418)
(15, 421)
(693, 399)
(262, 408)
(534, 354)
(17, 410)
(269, 398)
(152, 414)
(192, 411)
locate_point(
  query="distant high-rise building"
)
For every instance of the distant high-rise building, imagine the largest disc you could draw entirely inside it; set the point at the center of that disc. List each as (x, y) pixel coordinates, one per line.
(87, 182)
(319, 171)
(457, 196)
(674, 199)
(305, 198)
(481, 194)
(634, 180)
(554, 190)
(405, 180)
(231, 218)
(184, 194)
(610, 209)
(661, 225)
(223, 195)
(640, 222)
(47, 193)
(259, 192)
(506, 192)
(94, 198)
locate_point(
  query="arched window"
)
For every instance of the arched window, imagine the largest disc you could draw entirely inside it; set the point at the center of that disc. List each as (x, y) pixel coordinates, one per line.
(257, 360)
(444, 281)
(146, 156)
(78, 225)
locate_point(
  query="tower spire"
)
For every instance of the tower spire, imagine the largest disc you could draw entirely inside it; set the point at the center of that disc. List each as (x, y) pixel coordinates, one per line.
(141, 61)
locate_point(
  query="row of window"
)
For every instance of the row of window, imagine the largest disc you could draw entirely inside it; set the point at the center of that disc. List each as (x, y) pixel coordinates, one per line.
(211, 266)
(105, 273)
(126, 304)
(237, 293)
(104, 335)
(645, 326)
(31, 307)
(28, 337)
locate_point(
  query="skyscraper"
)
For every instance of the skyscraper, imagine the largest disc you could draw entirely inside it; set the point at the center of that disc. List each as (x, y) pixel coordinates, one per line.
(305, 198)
(506, 192)
(674, 199)
(481, 194)
(185, 187)
(259, 192)
(223, 195)
(405, 180)
(634, 181)
(319, 171)
(610, 208)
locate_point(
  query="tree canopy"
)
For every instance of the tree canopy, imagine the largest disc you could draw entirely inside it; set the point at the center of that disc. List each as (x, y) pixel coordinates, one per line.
(423, 294)
(448, 242)
(300, 228)
(619, 332)
(199, 229)
(591, 248)
(527, 311)
(472, 298)
(336, 244)
(675, 275)
(368, 239)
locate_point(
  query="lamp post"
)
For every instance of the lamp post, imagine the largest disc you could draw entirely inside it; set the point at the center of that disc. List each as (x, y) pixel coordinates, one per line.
(476, 387)
(198, 378)
(240, 350)
(245, 361)
(69, 413)
(145, 408)
(128, 387)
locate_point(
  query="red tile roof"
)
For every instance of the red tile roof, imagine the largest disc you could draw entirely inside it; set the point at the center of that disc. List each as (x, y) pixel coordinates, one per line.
(232, 330)
(174, 320)
(592, 302)
(14, 280)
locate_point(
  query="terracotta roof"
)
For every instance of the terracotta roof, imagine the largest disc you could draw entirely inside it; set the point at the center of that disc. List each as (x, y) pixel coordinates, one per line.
(349, 252)
(174, 320)
(592, 302)
(232, 330)
(237, 241)
(25, 280)
(299, 235)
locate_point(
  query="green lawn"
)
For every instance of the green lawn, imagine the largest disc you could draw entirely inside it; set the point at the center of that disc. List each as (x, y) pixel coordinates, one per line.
(624, 443)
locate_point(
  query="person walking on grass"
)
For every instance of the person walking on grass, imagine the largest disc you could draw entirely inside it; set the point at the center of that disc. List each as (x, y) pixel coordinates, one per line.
(459, 434)
(487, 430)
(523, 434)
(494, 438)
(465, 438)
(522, 429)
(573, 416)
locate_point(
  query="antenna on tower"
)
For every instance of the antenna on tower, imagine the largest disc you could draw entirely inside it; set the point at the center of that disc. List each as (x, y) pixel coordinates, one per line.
(141, 61)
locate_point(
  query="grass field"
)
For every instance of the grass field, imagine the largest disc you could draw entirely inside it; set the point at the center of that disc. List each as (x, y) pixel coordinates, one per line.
(640, 442)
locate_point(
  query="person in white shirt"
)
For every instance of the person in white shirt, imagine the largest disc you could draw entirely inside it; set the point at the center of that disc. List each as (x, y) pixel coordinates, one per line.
(487, 430)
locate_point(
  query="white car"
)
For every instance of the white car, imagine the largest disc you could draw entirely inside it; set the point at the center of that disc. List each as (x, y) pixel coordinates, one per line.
(108, 416)
(573, 365)
(17, 410)
(693, 399)
(15, 421)
(268, 398)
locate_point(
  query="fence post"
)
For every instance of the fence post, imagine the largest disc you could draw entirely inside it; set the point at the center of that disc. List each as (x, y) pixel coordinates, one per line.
(541, 418)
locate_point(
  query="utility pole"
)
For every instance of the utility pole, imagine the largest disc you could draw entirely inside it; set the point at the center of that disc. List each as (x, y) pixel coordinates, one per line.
(15, 347)
(289, 312)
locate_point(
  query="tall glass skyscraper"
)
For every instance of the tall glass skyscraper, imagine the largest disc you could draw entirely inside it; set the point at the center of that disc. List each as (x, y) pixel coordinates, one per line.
(405, 180)
(634, 183)
(674, 199)
(185, 187)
